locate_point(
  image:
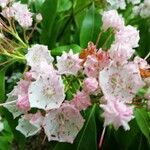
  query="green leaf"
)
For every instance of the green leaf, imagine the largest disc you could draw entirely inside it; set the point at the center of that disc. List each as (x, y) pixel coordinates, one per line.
(6, 137)
(2, 80)
(63, 146)
(143, 122)
(38, 4)
(58, 51)
(90, 27)
(126, 138)
(87, 138)
(64, 5)
(79, 5)
(2, 85)
(49, 13)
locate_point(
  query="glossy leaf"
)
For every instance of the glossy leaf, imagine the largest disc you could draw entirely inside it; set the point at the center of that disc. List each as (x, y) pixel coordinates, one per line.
(49, 12)
(87, 138)
(143, 122)
(58, 51)
(64, 5)
(90, 27)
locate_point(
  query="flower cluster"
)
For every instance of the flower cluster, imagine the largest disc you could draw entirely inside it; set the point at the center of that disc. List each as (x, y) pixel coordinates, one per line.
(19, 12)
(142, 9)
(114, 77)
(116, 4)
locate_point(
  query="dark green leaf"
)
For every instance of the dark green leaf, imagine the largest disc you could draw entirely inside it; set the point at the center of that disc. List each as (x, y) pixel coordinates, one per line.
(90, 27)
(2, 85)
(87, 138)
(49, 12)
(143, 122)
(64, 5)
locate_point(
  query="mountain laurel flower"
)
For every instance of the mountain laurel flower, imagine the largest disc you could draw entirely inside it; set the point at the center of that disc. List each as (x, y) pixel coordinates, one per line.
(128, 35)
(35, 119)
(117, 113)
(90, 85)
(112, 19)
(142, 63)
(22, 14)
(96, 62)
(23, 103)
(68, 63)
(21, 91)
(47, 92)
(120, 53)
(37, 54)
(63, 124)
(91, 66)
(116, 4)
(8, 12)
(121, 82)
(3, 3)
(81, 100)
(26, 128)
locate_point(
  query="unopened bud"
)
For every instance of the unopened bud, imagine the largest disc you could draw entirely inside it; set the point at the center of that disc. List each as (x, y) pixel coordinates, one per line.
(39, 17)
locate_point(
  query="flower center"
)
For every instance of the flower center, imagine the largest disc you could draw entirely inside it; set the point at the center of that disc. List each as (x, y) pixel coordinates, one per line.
(49, 92)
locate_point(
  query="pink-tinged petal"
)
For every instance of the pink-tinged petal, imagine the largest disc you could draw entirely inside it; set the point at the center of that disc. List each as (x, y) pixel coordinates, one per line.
(112, 19)
(26, 128)
(63, 124)
(128, 35)
(47, 92)
(117, 113)
(38, 54)
(3, 3)
(23, 103)
(22, 14)
(35, 119)
(120, 53)
(120, 82)
(90, 85)
(142, 63)
(68, 63)
(81, 100)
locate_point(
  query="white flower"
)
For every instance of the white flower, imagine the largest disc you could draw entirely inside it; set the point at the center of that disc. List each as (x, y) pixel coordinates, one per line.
(22, 14)
(134, 2)
(47, 92)
(142, 63)
(117, 113)
(112, 19)
(128, 35)
(68, 63)
(8, 12)
(38, 54)
(63, 124)
(115, 4)
(26, 128)
(120, 82)
(3, 3)
(120, 52)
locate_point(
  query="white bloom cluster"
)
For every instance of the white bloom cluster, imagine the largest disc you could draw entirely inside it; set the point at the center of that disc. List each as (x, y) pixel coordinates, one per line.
(143, 9)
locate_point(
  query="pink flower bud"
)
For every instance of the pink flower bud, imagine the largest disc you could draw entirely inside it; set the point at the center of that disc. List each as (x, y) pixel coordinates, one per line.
(90, 84)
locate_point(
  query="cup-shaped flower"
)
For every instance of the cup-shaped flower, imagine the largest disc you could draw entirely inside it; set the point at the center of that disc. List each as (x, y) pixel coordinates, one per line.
(63, 124)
